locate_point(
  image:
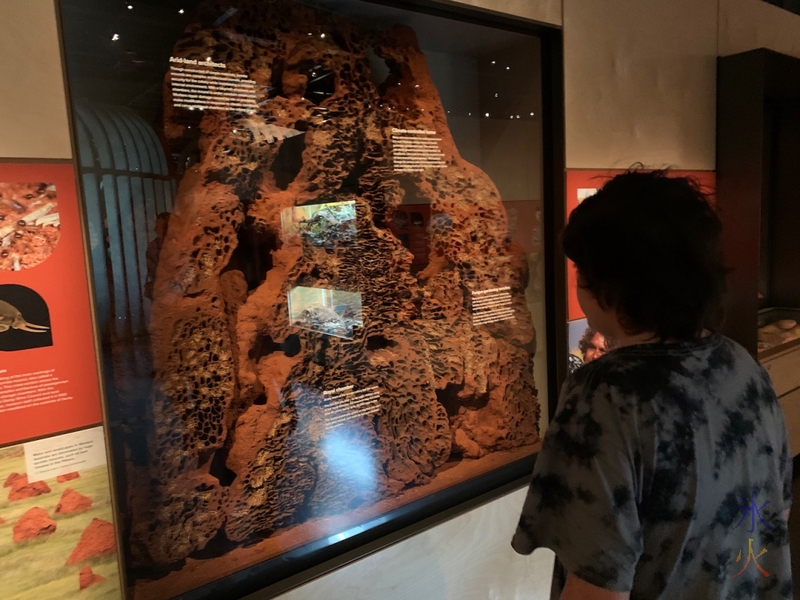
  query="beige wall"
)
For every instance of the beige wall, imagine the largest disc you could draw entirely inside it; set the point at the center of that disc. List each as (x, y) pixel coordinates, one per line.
(640, 82)
(33, 113)
(466, 558)
(544, 11)
(749, 24)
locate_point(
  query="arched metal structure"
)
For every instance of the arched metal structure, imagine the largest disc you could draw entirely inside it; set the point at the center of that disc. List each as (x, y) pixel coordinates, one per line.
(126, 185)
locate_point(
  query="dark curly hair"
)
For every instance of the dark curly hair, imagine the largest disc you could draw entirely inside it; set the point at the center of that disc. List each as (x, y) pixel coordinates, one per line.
(648, 246)
(586, 339)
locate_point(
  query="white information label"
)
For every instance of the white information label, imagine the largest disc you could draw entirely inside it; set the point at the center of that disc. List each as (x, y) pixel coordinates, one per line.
(78, 451)
(415, 150)
(584, 193)
(492, 305)
(346, 403)
(198, 88)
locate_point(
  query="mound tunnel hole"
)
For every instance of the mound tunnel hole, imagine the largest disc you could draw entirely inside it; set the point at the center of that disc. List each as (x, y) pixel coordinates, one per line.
(253, 253)
(288, 161)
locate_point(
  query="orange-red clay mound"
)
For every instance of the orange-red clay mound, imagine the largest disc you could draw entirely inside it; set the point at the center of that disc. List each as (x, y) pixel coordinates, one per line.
(88, 578)
(96, 540)
(32, 524)
(67, 477)
(12, 478)
(73, 502)
(21, 489)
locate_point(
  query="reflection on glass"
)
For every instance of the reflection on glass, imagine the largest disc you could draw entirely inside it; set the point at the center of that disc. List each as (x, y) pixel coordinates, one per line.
(353, 461)
(328, 225)
(332, 312)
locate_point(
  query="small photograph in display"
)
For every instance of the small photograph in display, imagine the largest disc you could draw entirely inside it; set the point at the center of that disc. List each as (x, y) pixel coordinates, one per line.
(56, 534)
(24, 319)
(29, 224)
(585, 344)
(332, 312)
(329, 225)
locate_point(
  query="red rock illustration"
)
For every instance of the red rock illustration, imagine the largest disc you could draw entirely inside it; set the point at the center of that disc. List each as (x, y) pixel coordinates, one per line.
(12, 478)
(87, 577)
(72, 502)
(2, 520)
(96, 540)
(21, 489)
(32, 524)
(67, 477)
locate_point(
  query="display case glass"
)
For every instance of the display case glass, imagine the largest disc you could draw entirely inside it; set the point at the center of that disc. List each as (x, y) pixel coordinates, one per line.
(318, 241)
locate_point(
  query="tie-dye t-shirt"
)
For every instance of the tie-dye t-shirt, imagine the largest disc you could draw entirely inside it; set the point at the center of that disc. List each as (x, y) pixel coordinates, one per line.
(666, 472)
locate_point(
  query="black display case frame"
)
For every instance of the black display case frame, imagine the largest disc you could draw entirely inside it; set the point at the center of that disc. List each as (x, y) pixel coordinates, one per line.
(294, 568)
(758, 185)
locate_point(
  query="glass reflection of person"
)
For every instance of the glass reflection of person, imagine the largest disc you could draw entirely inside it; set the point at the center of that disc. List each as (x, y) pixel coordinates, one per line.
(593, 345)
(657, 448)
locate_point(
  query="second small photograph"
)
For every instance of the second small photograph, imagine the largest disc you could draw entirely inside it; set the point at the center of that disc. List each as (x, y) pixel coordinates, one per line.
(24, 319)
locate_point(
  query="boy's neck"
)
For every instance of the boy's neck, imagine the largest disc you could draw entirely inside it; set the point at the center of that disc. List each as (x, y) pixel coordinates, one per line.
(623, 339)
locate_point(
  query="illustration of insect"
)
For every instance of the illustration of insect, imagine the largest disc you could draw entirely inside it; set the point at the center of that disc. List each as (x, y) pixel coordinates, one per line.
(11, 318)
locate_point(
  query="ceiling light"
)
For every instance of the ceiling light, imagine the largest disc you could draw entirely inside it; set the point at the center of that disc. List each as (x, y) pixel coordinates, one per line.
(487, 114)
(115, 37)
(180, 12)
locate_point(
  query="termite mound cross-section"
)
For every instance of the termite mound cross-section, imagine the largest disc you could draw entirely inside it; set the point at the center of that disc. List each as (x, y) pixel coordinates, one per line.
(303, 367)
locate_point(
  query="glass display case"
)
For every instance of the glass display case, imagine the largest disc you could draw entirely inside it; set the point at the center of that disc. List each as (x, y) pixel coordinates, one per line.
(321, 236)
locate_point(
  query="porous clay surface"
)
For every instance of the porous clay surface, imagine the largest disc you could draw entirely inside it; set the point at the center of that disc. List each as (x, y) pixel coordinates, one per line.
(240, 447)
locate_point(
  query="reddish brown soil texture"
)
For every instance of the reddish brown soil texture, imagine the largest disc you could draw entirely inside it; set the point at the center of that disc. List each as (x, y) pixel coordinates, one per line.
(199, 572)
(96, 540)
(21, 489)
(24, 244)
(2, 520)
(239, 388)
(87, 578)
(73, 502)
(32, 524)
(67, 477)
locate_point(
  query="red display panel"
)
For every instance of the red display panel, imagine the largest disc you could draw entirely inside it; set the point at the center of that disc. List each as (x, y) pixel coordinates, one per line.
(48, 372)
(582, 184)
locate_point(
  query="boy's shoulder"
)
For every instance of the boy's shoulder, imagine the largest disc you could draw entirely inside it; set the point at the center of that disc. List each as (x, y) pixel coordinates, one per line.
(647, 369)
